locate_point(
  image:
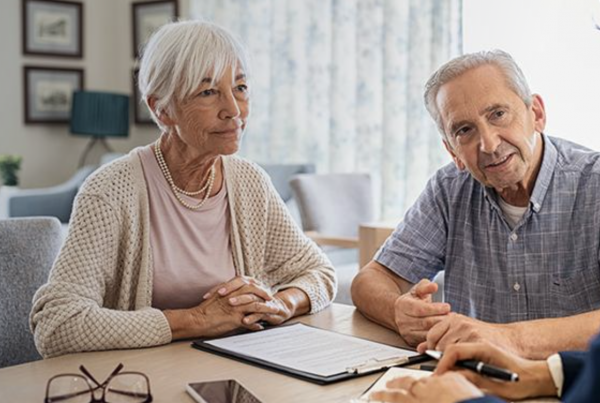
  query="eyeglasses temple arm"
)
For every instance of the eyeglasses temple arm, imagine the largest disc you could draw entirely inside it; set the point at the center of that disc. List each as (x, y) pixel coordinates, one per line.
(100, 385)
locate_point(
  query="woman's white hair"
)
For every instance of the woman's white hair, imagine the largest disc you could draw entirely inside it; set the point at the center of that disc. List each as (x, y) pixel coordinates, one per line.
(515, 78)
(180, 55)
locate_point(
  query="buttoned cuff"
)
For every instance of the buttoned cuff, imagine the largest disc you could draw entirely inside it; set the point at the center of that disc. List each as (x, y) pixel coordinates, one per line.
(556, 371)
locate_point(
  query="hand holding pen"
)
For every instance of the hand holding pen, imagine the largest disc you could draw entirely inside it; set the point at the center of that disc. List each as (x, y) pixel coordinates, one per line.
(480, 367)
(534, 376)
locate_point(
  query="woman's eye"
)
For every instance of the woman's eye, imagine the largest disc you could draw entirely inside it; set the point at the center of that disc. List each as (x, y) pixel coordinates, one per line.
(206, 93)
(242, 88)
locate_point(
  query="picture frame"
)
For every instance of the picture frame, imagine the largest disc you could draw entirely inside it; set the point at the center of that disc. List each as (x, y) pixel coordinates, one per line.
(52, 28)
(141, 113)
(48, 92)
(147, 17)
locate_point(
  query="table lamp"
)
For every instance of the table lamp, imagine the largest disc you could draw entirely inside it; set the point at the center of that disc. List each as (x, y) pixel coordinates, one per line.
(100, 115)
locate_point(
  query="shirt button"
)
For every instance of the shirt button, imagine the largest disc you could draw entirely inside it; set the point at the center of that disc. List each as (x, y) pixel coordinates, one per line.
(514, 237)
(517, 286)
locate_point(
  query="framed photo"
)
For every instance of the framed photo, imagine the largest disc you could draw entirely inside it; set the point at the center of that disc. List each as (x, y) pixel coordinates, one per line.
(147, 17)
(48, 93)
(141, 113)
(53, 28)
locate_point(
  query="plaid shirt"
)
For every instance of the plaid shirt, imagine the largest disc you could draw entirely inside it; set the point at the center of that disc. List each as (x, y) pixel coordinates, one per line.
(546, 266)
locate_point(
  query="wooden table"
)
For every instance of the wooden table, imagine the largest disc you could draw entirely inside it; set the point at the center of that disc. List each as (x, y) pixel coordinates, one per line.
(172, 366)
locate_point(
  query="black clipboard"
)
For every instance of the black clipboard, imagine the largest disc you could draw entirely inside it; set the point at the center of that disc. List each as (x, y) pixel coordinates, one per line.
(303, 375)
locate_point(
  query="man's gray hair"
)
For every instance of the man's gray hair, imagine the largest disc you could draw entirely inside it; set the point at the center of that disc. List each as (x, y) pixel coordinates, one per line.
(514, 77)
(180, 55)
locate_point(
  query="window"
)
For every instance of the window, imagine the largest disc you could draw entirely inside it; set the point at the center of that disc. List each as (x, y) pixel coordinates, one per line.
(557, 45)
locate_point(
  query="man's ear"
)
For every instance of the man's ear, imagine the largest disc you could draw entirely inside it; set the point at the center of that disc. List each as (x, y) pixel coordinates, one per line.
(162, 115)
(457, 161)
(539, 113)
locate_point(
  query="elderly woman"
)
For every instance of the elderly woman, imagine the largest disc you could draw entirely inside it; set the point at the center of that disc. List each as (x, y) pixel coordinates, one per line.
(180, 238)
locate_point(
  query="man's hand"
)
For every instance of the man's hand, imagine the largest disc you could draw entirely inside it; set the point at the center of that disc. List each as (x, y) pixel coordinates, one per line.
(534, 376)
(448, 388)
(415, 313)
(456, 328)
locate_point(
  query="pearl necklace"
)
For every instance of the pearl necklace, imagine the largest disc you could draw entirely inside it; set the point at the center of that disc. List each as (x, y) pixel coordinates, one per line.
(178, 191)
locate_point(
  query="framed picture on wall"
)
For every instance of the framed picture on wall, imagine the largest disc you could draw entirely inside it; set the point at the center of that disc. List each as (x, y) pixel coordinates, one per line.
(48, 92)
(141, 113)
(147, 17)
(52, 28)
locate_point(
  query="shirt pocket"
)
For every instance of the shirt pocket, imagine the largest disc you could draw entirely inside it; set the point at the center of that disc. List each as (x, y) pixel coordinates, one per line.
(574, 292)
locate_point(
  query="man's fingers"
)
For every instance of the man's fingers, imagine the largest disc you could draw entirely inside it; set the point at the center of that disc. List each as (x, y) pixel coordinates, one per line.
(431, 321)
(402, 382)
(418, 308)
(393, 396)
(492, 386)
(418, 334)
(424, 289)
(436, 334)
(470, 376)
(465, 351)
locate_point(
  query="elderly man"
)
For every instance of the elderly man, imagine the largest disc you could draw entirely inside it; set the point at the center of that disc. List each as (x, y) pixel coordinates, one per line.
(514, 222)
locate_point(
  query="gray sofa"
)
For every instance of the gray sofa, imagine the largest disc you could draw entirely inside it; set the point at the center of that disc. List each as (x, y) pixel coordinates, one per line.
(27, 252)
(55, 201)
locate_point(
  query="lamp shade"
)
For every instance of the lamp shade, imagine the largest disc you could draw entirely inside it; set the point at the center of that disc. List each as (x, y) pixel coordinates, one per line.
(100, 114)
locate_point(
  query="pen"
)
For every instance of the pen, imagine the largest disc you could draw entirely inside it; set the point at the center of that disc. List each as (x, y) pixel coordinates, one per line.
(480, 367)
(427, 367)
(374, 364)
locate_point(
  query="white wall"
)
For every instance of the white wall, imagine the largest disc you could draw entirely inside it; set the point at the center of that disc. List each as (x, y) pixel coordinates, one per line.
(558, 48)
(50, 153)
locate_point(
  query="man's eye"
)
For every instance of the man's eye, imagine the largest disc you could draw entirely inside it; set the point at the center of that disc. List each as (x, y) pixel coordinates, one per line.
(462, 131)
(499, 114)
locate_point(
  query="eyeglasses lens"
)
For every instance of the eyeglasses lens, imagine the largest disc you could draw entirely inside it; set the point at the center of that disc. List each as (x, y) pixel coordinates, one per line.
(127, 388)
(69, 389)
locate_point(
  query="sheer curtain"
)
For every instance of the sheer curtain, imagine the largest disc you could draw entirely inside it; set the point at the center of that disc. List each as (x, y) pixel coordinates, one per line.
(339, 83)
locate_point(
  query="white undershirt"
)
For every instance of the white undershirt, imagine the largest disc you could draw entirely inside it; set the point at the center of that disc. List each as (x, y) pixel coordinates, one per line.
(513, 214)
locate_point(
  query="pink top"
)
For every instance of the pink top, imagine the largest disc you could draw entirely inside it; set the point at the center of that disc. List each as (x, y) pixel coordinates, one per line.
(191, 250)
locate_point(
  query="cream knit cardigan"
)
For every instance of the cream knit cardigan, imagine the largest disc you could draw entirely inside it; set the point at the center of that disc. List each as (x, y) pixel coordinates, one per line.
(99, 291)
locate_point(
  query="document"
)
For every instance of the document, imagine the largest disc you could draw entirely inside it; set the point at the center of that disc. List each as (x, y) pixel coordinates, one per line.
(302, 349)
(415, 373)
(388, 376)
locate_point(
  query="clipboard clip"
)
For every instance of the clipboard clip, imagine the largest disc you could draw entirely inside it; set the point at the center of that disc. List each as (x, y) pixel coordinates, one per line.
(375, 364)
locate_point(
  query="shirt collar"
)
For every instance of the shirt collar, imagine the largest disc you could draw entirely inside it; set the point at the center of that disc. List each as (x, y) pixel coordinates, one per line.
(542, 182)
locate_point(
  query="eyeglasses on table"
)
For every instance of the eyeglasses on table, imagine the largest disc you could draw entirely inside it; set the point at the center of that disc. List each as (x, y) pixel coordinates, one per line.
(119, 387)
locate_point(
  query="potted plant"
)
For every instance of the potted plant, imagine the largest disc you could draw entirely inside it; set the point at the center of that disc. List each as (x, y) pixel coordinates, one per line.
(9, 166)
